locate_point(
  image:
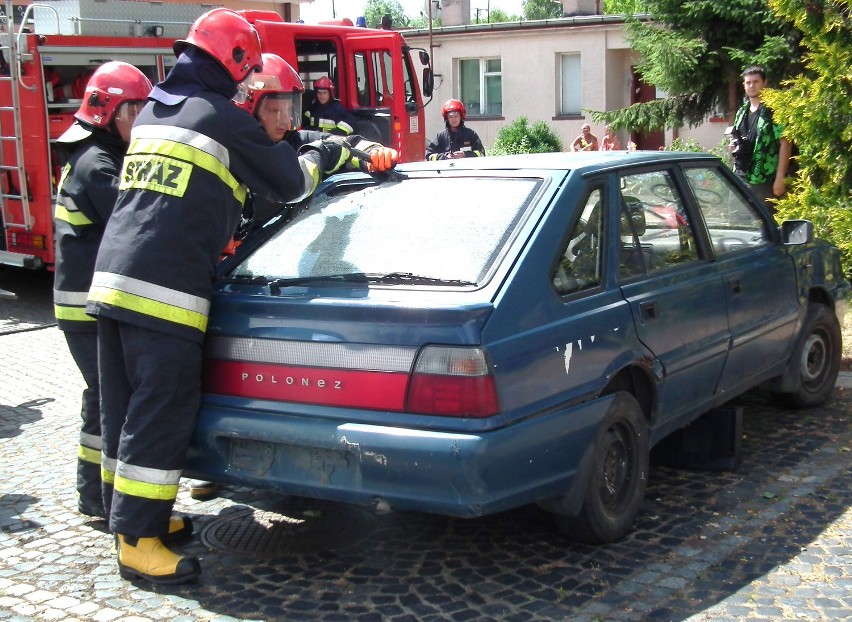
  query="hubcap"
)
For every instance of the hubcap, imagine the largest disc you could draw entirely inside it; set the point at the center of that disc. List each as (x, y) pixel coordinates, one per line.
(814, 358)
(616, 468)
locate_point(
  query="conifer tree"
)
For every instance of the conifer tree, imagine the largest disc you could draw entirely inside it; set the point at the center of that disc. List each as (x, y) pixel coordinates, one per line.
(695, 50)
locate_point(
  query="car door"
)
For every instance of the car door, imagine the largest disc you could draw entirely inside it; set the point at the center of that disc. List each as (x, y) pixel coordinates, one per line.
(676, 296)
(758, 276)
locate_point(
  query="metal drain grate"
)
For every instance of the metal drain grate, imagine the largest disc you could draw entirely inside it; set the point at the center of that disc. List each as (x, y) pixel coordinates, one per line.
(296, 527)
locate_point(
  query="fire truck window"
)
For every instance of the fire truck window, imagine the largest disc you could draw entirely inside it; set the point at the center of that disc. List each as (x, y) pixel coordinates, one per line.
(362, 80)
(410, 95)
(65, 85)
(317, 58)
(384, 77)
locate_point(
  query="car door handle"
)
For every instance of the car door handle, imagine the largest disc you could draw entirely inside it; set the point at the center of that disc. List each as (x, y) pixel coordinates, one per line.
(648, 310)
(736, 286)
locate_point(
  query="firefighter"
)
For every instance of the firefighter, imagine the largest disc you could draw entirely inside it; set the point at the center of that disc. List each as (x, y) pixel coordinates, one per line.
(327, 114)
(94, 147)
(182, 187)
(275, 99)
(457, 140)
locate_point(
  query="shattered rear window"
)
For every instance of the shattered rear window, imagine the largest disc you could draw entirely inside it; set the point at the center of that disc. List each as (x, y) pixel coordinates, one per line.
(443, 228)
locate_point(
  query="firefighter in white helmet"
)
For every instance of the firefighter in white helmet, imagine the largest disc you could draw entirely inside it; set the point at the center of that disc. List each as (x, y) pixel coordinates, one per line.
(183, 185)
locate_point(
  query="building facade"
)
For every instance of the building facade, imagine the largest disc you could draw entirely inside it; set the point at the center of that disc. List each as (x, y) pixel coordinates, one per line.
(552, 70)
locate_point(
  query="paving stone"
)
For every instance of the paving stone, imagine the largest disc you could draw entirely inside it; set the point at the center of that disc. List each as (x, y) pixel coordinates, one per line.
(769, 541)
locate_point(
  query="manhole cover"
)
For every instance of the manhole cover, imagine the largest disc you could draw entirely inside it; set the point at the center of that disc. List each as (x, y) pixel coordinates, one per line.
(295, 527)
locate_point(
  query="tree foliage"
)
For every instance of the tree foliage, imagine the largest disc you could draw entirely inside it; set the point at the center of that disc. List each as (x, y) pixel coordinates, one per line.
(624, 7)
(374, 9)
(541, 9)
(521, 137)
(815, 108)
(497, 15)
(695, 50)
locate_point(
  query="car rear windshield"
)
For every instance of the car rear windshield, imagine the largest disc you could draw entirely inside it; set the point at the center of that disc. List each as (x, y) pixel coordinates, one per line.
(449, 230)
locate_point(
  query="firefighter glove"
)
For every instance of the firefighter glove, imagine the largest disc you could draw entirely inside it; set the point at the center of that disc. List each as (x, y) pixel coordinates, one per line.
(382, 159)
(333, 153)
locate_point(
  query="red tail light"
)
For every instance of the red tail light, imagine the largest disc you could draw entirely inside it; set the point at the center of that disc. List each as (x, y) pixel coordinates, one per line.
(449, 381)
(452, 382)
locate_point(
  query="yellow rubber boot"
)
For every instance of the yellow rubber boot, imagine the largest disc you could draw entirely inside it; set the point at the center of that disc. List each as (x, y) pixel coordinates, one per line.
(180, 529)
(149, 559)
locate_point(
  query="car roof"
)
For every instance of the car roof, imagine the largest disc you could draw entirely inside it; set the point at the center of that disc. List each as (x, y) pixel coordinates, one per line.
(585, 161)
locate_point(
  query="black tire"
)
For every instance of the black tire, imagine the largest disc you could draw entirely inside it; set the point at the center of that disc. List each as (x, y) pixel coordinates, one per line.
(619, 475)
(817, 357)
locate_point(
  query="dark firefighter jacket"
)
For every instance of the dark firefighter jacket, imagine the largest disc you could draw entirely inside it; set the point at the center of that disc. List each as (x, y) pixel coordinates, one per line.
(86, 196)
(260, 210)
(331, 117)
(447, 141)
(182, 187)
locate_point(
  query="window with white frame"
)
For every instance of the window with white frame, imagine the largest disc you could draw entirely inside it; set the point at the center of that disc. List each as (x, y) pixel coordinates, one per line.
(572, 84)
(481, 86)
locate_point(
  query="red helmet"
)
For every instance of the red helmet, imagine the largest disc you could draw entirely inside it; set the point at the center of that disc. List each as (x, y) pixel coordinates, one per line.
(453, 105)
(228, 38)
(111, 85)
(324, 83)
(278, 81)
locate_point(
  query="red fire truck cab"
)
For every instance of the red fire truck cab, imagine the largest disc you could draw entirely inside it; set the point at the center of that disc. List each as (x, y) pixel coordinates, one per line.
(373, 72)
(42, 77)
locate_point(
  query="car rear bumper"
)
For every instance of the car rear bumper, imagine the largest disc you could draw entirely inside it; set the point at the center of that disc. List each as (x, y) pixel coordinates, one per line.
(450, 473)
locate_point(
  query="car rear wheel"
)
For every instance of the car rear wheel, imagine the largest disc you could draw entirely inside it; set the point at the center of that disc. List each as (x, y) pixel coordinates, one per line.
(817, 356)
(618, 477)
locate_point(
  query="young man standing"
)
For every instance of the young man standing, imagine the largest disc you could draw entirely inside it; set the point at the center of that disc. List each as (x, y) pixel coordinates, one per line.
(762, 154)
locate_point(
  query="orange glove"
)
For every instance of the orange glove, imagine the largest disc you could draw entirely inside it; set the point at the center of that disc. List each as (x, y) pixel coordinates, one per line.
(382, 159)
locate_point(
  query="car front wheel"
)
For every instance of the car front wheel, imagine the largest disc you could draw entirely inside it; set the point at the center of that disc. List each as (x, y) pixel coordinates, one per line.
(817, 357)
(618, 477)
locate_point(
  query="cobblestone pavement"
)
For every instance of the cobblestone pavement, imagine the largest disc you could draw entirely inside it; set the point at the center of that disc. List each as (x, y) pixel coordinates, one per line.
(770, 541)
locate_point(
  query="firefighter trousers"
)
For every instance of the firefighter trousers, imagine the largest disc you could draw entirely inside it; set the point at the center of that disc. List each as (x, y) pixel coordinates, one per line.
(84, 349)
(150, 393)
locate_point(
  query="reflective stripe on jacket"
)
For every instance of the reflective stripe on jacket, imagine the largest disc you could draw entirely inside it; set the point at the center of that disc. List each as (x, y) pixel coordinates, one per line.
(332, 117)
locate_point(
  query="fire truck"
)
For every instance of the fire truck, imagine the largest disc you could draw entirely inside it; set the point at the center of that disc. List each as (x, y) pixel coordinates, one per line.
(46, 57)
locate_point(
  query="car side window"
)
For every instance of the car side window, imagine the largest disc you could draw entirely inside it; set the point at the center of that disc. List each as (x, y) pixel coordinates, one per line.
(579, 266)
(732, 222)
(656, 231)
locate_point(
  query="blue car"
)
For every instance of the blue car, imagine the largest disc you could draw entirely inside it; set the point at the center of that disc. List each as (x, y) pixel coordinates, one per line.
(465, 337)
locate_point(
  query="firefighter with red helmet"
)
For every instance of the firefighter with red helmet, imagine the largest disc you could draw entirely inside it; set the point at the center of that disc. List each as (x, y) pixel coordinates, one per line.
(94, 147)
(183, 184)
(327, 114)
(457, 140)
(274, 98)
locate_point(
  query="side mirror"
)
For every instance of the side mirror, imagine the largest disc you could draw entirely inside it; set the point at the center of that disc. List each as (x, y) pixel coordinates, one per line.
(797, 231)
(424, 58)
(428, 81)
